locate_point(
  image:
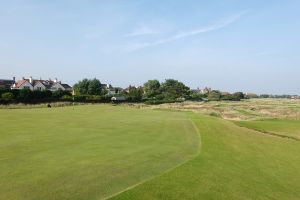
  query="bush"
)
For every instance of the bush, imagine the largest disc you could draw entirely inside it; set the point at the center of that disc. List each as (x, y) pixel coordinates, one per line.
(230, 97)
(214, 95)
(197, 96)
(156, 102)
(7, 96)
(239, 95)
(66, 98)
(25, 96)
(60, 93)
(135, 95)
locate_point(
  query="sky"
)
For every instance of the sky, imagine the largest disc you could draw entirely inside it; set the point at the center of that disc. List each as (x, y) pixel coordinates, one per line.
(230, 45)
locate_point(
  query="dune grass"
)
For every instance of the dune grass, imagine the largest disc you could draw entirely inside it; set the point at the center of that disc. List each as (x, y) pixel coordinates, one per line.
(90, 152)
(234, 163)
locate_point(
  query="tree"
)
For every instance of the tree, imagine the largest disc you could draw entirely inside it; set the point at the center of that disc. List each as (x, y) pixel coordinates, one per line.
(196, 96)
(173, 89)
(238, 95)
(81, 88)
(152, 88)
(88, 87)
(214, 95)
(135, 94)
(94, 87)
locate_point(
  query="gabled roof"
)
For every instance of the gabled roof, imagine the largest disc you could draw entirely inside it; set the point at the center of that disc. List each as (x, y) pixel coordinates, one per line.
(20, 83)
(66, 86)
(107, 86)
(38, 81)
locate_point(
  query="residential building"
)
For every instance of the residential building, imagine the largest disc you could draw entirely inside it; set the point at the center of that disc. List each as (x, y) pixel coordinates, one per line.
(39, 84)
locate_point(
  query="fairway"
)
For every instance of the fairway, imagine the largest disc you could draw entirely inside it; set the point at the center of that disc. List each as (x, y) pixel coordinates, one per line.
(280, 127)
(90, 152)
(118, 152)
(234, 163)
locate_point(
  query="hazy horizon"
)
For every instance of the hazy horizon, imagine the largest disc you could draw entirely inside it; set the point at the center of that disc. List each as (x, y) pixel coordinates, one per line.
(249, 46)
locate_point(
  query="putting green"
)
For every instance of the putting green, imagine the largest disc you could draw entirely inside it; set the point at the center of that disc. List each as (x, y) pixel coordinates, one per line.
(90, 152)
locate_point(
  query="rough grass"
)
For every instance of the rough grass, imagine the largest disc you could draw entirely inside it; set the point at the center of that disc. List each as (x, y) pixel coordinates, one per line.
(234, 163)
(253, 109)
(90, 152)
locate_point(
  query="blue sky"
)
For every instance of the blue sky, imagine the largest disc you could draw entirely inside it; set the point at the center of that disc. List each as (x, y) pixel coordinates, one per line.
(231, 45)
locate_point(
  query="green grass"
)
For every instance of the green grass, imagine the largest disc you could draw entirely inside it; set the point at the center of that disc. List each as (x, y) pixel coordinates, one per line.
(90, 152)
(280, 127)
(96, 152)
(234, 163)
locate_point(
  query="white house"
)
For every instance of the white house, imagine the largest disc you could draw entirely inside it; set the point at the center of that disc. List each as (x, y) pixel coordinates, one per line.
(109, 88)
(40, 85)
(59, 86)
(22, 84)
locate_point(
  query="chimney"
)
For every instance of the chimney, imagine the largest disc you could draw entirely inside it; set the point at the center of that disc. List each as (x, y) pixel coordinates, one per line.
(14, 79)
(55, 80)
(23, 78)
(30, 79)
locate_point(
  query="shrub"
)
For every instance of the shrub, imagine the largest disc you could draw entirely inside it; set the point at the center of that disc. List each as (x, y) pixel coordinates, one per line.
(66, 98)
(7, 96)
(156, 102)
(25, 96)
(214, 95)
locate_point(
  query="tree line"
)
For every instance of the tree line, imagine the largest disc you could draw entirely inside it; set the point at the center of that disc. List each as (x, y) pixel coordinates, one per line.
(152, 92)
(91, 90)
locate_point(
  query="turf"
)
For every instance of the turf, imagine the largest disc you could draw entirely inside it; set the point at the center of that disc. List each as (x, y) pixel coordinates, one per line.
(280, 127)
(96, 152)
(90, 152)
(234, 163)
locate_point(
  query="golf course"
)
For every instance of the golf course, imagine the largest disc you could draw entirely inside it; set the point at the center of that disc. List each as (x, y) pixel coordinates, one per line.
(103, 151)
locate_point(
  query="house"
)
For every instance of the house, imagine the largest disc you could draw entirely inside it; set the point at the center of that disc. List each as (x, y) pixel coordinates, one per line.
(22, 84)
(205, 90)
(111, 90)
(59, 86)
(39, 86)
(130, 87)
(6, 84)
(33, 84)
(118, 89)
